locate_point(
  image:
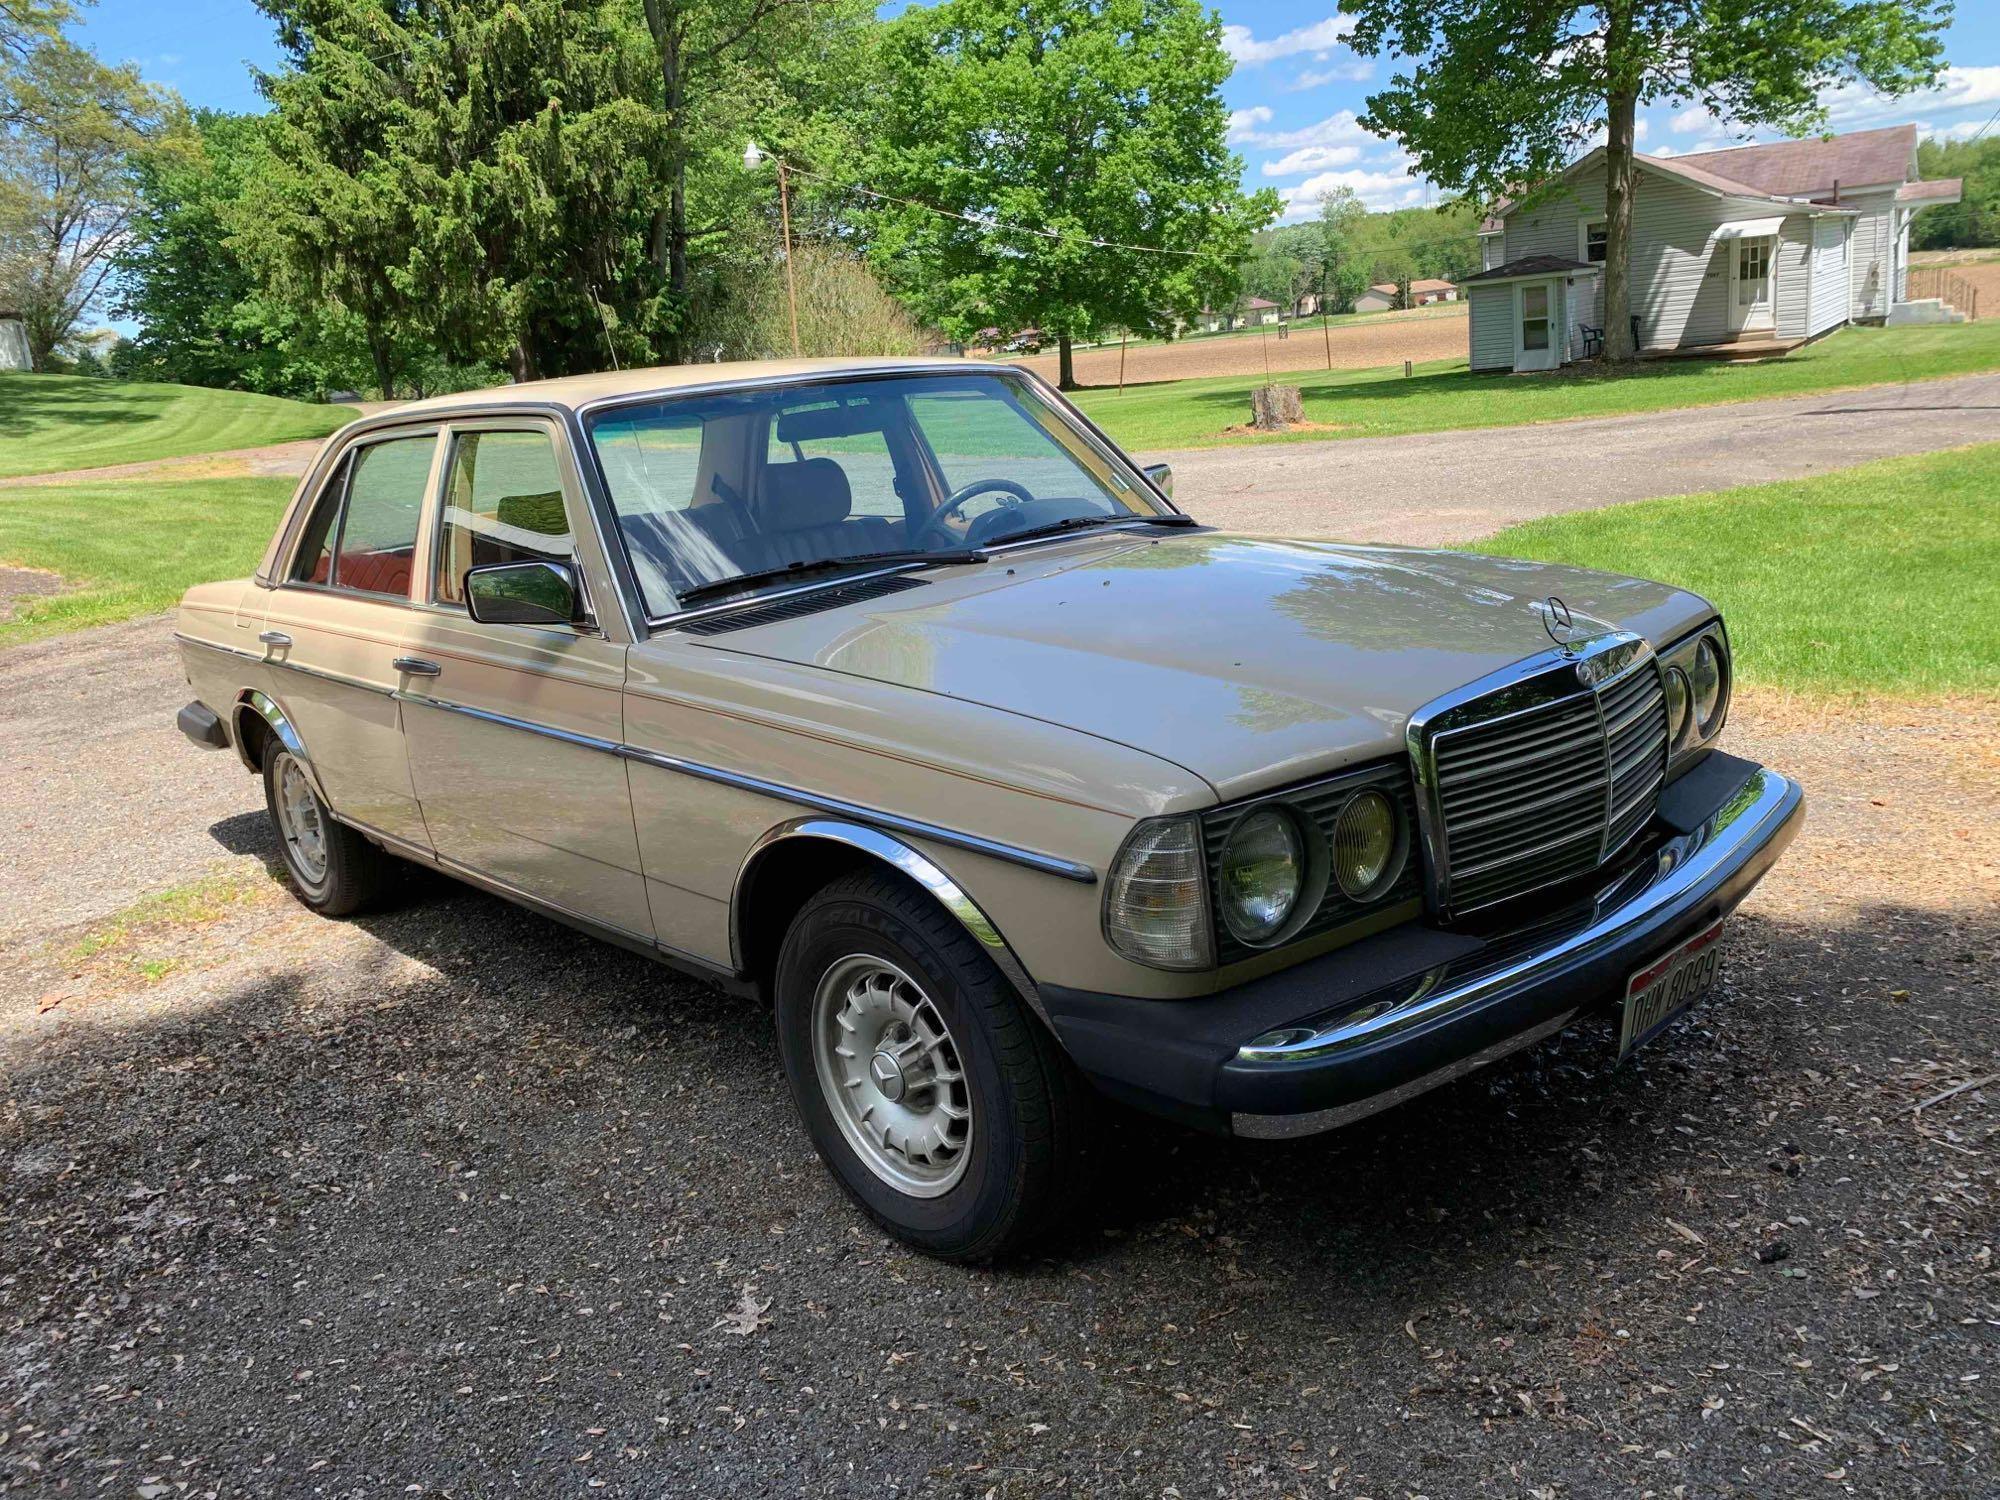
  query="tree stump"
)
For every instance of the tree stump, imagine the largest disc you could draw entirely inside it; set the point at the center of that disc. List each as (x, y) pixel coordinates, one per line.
(1275, 407)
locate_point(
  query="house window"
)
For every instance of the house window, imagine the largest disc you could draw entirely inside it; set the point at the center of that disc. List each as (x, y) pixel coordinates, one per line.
(1596, 234)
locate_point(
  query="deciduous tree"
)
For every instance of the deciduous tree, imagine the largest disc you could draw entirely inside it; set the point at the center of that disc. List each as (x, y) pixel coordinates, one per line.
(1499, 95)
(1086, 126)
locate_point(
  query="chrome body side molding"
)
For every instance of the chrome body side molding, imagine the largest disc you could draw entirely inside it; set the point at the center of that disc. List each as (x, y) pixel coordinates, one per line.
(1047, 864)
(911, 862)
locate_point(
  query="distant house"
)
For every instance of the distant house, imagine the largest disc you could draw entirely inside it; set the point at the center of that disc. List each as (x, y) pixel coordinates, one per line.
(1255, 312)
(1305, 305)
(14, 343)
(1378, 298)
(1424, 293)
(1208, 320)
(1758, 245)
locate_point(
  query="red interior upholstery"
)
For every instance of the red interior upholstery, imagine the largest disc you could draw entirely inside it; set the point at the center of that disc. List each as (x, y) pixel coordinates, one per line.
(376, 572)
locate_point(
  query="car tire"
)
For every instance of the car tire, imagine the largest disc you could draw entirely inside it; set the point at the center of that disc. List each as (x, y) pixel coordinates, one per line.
(335, 870)
(871, 948)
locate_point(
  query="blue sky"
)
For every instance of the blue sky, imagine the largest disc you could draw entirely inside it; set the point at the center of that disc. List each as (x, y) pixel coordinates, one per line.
(1294, 95)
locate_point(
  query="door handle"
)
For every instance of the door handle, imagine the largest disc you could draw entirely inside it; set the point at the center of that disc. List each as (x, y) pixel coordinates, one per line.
(275, 639)
(415, 666)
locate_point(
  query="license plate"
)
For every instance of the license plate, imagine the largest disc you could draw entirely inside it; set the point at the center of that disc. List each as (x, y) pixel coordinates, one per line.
(1668, 986)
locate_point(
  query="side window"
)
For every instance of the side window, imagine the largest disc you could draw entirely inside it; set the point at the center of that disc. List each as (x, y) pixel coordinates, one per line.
(1596, 235)
(863, 455)
(377, 537)
(313, 562)
(503, 503)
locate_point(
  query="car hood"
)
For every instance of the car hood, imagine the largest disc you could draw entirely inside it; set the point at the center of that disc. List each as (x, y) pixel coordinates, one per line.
(1248, 661)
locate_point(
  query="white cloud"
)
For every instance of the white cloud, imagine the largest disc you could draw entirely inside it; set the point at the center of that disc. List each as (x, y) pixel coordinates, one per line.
(1961, 131)
(1856, 106)
(1243, 123)
(1311, 159)
(1375, 190)
(1340, 129)
(1359, 70)
(1240, 44)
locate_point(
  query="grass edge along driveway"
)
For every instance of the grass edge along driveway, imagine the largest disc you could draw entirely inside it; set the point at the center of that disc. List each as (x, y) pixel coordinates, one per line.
(49, 423)
(130, 548)
(1875, 581)
(1445, 396)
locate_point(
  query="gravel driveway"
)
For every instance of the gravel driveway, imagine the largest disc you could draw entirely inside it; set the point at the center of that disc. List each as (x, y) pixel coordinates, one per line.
(1442, 488)
(449, 1201)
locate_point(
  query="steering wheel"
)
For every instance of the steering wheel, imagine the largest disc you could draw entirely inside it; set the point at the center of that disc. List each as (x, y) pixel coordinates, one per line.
(957, 499)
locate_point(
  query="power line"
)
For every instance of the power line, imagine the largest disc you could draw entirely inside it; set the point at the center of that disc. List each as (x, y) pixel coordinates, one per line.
(1984, 128)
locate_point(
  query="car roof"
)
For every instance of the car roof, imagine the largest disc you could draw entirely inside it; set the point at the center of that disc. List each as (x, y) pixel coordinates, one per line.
(575, 391)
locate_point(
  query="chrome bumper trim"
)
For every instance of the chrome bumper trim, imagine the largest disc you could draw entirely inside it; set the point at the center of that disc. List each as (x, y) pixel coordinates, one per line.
(1685, 866)
(1288, 1127)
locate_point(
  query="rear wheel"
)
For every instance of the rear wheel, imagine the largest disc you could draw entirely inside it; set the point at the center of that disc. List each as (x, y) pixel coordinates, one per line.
(944, 1109)
(335, 870)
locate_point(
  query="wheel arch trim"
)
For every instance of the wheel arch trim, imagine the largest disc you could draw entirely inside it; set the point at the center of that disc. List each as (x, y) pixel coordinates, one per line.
(891, 851)
(255, 701)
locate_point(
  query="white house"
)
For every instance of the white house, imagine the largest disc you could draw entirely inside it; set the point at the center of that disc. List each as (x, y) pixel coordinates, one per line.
(1256, 312)
(1763, 245)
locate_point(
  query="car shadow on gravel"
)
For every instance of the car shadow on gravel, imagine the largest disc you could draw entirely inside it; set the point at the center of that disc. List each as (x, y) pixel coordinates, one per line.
(452, 1147)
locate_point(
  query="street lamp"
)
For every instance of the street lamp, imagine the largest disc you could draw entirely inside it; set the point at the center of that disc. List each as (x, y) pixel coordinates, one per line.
(753, 158)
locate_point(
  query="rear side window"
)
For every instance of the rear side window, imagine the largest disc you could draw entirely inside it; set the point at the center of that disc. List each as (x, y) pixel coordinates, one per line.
(378, 526)
(503, 503)
(314, 560)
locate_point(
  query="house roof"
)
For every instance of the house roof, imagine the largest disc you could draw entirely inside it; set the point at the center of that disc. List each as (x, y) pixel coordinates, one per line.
(1432, 284)
(1256, 302)
(1533, 265)
(1796, 168)
(1383, 286)
(1938, 190)
(1782, 171)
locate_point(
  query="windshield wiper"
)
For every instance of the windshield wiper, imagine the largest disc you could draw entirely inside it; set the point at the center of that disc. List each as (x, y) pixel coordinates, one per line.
(1084, 523)
(795, 571)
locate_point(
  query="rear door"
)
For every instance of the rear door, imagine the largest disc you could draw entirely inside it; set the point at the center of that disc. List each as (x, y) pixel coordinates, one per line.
(511, 728)
(335, 628)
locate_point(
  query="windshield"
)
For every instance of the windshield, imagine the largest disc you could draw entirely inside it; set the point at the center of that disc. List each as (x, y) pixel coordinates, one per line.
(751, 482)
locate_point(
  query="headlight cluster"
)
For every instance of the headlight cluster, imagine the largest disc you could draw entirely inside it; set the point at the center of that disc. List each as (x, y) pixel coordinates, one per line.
(1272, 875)
(1697, 687)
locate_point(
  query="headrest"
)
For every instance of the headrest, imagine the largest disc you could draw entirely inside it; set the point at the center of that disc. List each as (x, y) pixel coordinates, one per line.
(806, 492)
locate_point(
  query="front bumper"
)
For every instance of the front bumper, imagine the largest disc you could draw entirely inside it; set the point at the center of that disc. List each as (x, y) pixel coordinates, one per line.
(1339, 1037)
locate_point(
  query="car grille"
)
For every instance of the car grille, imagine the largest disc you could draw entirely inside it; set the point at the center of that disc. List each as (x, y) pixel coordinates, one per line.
(1319, 803)
(1527, 796)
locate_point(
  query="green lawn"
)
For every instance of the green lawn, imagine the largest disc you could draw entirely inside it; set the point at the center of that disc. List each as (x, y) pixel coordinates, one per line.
(1881, 579)
(54, 422)
(131, 549)
(1440, 396)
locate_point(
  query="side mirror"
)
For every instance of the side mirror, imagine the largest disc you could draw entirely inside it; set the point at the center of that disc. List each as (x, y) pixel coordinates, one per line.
(1162, 476)
(523, 593)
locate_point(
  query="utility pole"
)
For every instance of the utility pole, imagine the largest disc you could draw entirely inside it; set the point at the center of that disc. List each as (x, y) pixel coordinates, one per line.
(791, 280)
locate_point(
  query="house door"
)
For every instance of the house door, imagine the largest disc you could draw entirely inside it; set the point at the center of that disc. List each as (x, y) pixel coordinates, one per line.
(1750, 291)
(1535, 346)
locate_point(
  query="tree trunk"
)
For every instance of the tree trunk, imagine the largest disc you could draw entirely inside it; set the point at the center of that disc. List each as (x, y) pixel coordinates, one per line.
(1621, 109)
(385, 364)
(521, 363)
(670, 238)
(1273, 408)
(1065, 364)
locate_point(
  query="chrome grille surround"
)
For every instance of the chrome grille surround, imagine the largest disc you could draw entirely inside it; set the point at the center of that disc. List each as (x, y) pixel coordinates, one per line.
(1538, 773)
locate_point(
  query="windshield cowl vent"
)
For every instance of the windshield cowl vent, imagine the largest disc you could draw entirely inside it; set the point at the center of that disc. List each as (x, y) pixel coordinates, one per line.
(797, 605)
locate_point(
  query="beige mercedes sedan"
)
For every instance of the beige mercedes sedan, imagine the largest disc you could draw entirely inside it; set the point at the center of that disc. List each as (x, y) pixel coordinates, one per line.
(894, 694)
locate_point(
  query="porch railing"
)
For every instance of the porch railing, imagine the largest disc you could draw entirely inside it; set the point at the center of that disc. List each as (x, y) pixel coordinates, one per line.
(1944, 284)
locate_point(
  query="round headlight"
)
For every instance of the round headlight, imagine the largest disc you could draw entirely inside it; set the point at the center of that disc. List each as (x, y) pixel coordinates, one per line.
(1677, 704)
(1706, 682)
(1367, 846)
(1263, 870)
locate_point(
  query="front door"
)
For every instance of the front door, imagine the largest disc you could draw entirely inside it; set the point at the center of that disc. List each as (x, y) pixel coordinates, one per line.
(1750, 291)
(512, 728)
(1535, 332)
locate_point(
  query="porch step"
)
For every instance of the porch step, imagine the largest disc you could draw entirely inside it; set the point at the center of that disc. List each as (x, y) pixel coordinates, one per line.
(1920, 310)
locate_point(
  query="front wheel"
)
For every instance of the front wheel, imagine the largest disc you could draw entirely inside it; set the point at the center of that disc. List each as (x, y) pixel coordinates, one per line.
(945, 1110)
